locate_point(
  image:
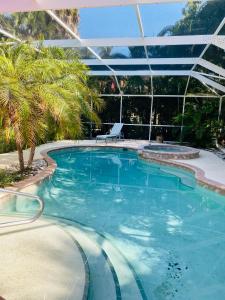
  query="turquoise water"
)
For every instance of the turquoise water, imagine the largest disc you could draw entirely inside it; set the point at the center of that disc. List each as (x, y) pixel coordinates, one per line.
(171, 231)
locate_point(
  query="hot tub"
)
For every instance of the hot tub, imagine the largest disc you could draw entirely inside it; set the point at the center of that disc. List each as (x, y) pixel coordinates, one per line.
(166, 151)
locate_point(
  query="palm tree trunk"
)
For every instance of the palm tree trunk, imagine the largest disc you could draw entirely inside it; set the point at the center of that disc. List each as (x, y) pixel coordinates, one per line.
(20, 156)
(31, 156)
(19, 146)
(18, 138)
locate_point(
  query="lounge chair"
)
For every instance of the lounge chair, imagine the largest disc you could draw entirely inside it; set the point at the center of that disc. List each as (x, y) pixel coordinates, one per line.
(114, 133)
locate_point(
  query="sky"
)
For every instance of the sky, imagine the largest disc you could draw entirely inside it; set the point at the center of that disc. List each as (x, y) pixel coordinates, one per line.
(122, 21)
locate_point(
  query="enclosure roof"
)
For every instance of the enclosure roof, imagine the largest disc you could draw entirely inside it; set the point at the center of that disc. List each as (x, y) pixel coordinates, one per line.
(34, 5)
(120, 38)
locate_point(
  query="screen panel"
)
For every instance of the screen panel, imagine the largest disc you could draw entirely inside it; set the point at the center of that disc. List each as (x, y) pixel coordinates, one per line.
(135, 85)
(171, 67)
(81, 52)
(174, 51)
(120, 52)
(136, 110)
(136, 132)
(38, 25)
(169, 85)
(183, 18)
(111, 110)
(104, 84)
(119, 21)
(215, 55)
(168, 133)
(165, 109)
(197, 87)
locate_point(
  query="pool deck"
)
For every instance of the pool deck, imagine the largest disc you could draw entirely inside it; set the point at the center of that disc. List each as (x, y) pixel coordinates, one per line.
(208, 165)
(40, 261)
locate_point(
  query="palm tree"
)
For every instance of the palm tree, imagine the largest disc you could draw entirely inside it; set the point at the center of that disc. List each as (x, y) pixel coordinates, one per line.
(41, 85)
(38, 24)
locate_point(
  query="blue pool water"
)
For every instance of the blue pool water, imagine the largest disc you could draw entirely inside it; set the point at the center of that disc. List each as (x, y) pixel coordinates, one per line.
(170, 230)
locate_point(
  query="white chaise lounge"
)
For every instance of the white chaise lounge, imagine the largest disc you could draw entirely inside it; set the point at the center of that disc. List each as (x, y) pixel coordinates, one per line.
(115, 133)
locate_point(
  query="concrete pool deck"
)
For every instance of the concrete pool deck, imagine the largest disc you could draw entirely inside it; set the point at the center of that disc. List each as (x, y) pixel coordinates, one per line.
(207, 166)
(40, 261)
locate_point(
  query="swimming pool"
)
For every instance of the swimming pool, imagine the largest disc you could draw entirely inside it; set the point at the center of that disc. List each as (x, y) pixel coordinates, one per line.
(170, 230)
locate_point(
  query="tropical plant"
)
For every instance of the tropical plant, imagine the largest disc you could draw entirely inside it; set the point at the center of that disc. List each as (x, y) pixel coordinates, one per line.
(8, 177)
(41, 89)
(201, 126)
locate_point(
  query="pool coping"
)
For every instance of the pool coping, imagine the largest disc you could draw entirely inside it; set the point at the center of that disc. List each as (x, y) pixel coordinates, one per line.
(51, 166)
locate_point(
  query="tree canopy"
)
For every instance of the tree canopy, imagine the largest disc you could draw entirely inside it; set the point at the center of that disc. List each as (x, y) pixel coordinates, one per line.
(43, 92)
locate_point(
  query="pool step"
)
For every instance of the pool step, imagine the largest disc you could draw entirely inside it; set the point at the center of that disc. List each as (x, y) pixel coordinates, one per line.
(127, 286)
(41, 261)
(128, 282)
(103, 279)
